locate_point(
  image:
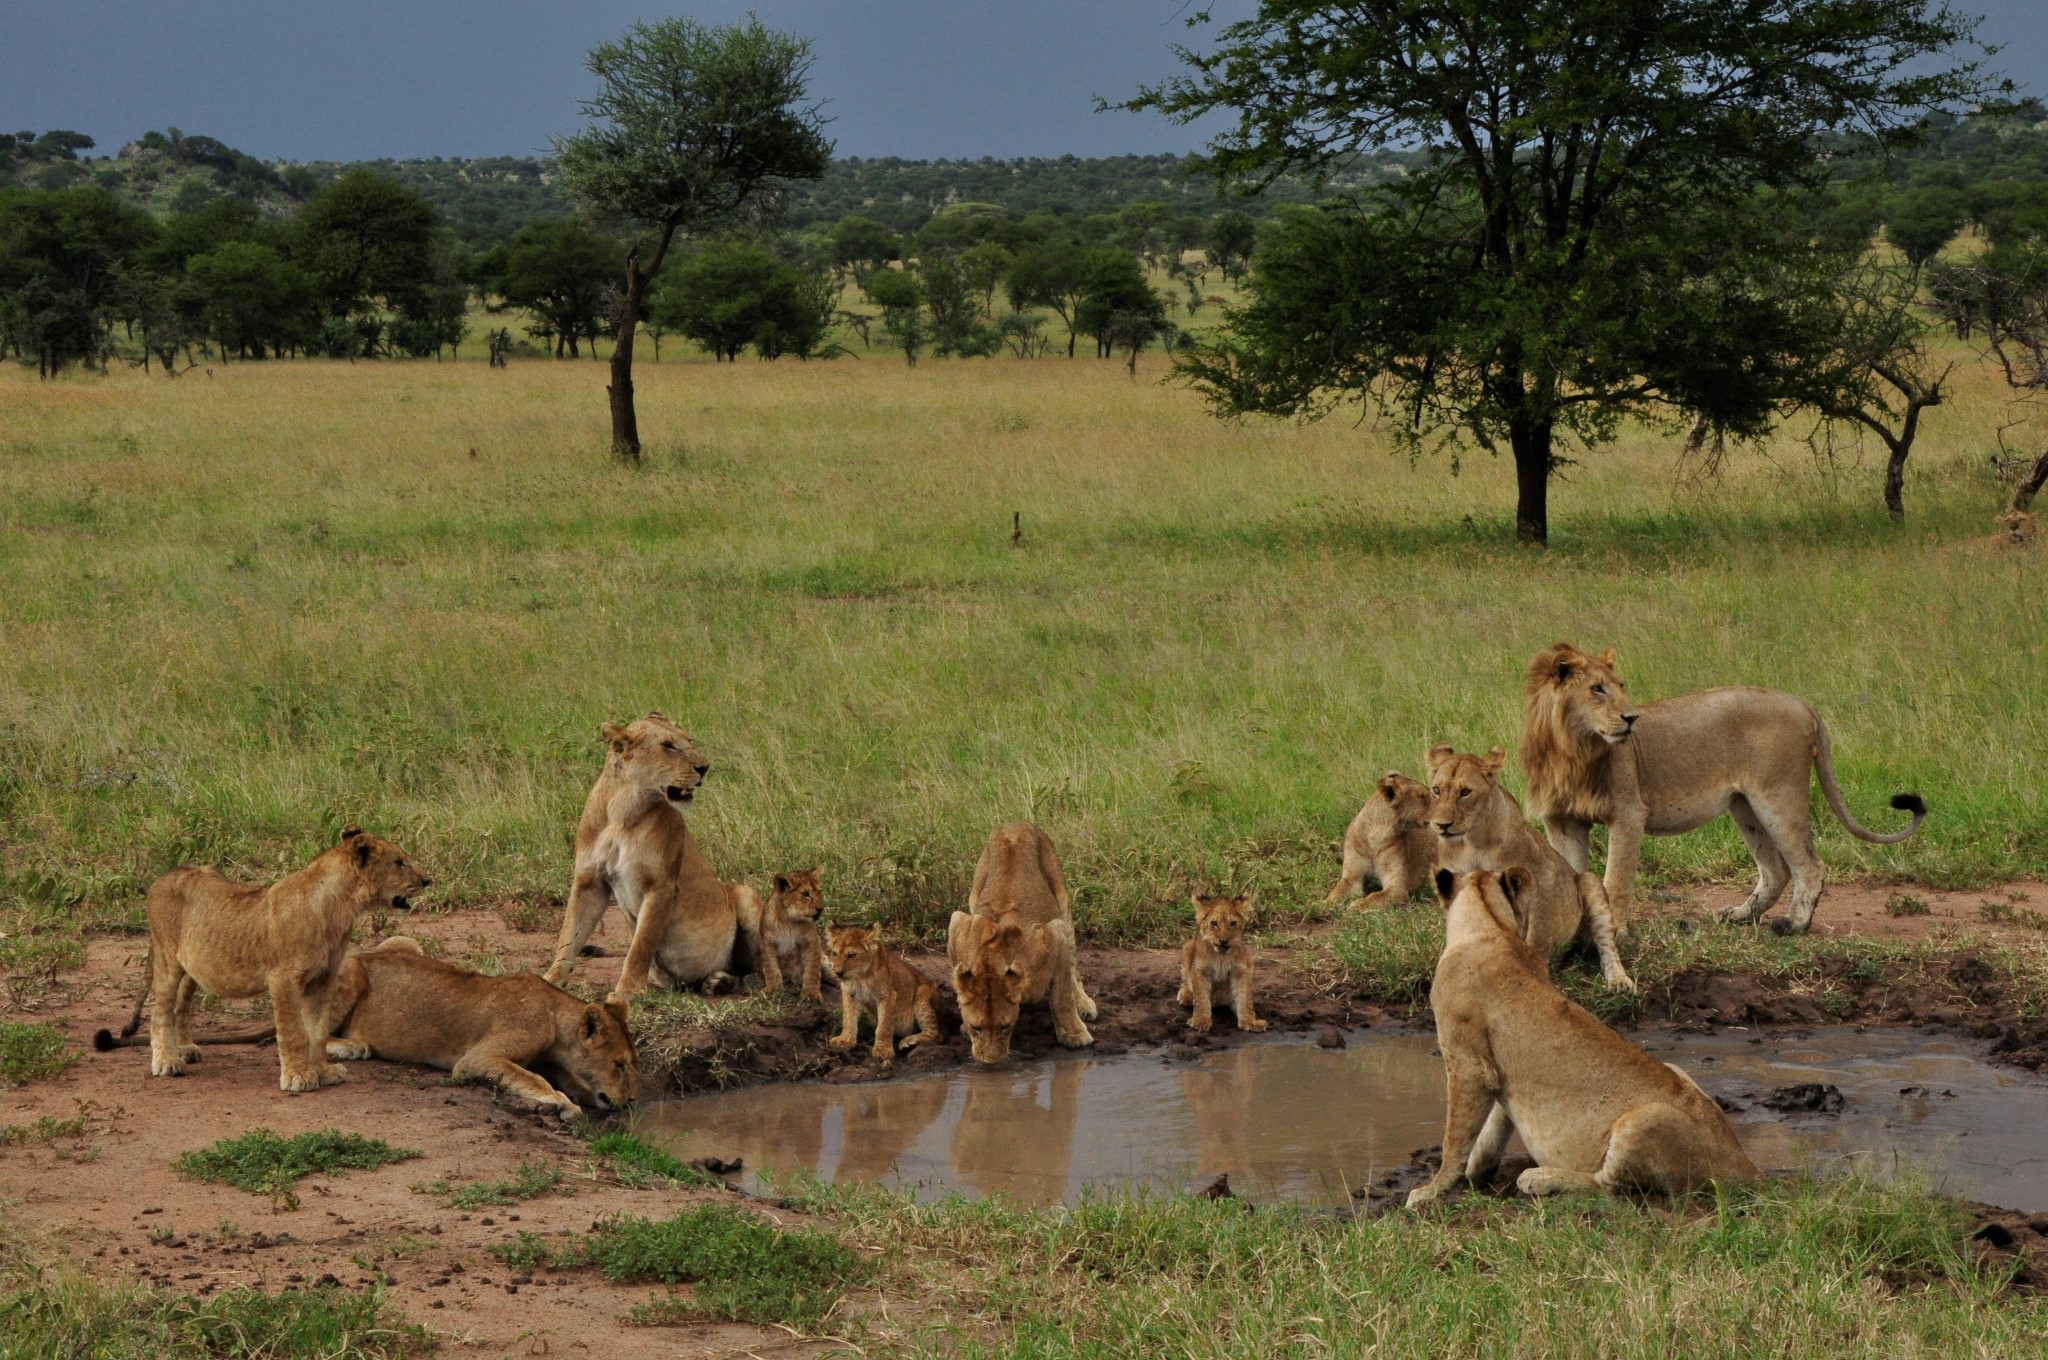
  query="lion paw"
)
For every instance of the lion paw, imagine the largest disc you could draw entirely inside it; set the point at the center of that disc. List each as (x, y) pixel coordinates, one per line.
(1254, 1026)
(1198, 1024)
(1621, 981)
(347, 1050)
(190, 1053)
(840, 1041)
(299, 1081)
(1088, 1008)
(1184, 997)
(1077, 1037)
(160, 1067)
(1423, 1195)
(1739, 915)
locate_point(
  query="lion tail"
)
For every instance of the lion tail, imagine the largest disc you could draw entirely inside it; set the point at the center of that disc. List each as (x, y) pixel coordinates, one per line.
(104, 1040)
(1824, 763)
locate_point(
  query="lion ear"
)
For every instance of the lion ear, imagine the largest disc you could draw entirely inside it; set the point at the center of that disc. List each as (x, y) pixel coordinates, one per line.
(1390, 785)
(616, 1009)
(351, 831)
(657, 715)
(782, 883)
(1494, 760)
(593, 1021)
(362, 845)
(1195, 901)
(1607, 658)
(1439, 754)
(1249, 901)
(614, 736)
(1446, 885)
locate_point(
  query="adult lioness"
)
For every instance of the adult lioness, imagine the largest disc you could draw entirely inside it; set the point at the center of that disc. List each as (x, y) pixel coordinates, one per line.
(394, 1002)
(286, 938)
(1391, 838)
(1015, 944)
(1595, 1111)
(1591, 754)
(1479, 825)
(634, 848)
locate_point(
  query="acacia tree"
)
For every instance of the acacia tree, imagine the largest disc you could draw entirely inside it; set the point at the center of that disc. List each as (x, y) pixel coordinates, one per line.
(699, 127)
(1558, 259)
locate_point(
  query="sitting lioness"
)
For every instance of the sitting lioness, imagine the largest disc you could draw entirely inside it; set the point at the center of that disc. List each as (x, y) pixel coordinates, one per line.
(1594, 1110)
(1014, 945)
(1218, 954)
(244, 939)
(1391, 839)
(1591, 754)
(394, 1002)
(874, 981)
(1479, 825)
(634, 848)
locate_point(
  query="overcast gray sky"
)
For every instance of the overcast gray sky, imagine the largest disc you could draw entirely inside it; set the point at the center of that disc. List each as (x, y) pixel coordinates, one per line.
(359, 79)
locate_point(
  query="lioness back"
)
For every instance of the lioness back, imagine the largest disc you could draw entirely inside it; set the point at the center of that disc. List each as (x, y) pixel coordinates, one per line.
(433, 1012)
(1019, 877)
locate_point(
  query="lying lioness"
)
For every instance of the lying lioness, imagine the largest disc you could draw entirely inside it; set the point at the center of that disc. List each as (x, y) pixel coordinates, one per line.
(286, 938)
(1014, 944)
(394, 1002)
(1594, 1110)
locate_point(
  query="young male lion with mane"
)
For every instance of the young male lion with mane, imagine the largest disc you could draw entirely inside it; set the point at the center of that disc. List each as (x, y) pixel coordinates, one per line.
(1595, 1111)
(1591, 754)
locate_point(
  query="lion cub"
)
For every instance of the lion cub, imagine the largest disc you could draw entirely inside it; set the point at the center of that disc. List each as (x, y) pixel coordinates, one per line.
(287, 938)
(1390, 838)
(874, 981)
(788, 924)
(1218, 954)
(1595, 1111)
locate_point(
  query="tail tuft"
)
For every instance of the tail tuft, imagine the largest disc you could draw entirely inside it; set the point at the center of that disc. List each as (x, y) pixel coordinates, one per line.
(1910, 802)
(103, 1041)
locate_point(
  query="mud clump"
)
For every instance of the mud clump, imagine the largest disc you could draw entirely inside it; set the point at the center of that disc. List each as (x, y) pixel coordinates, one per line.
(1808, 1097)
(2004, 1239)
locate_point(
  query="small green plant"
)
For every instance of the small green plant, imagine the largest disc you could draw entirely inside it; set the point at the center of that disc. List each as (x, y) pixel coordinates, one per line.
(48, 1129)
(32, 1052)
(741, 1267)
(639, 1164)
(532, 1179)
(266, 1163)
(1905, 904)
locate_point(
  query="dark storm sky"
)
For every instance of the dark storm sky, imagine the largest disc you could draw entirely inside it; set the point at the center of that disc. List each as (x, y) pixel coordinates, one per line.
(357, 79)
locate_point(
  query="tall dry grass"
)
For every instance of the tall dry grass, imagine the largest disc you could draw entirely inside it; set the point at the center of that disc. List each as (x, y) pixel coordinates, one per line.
(241, 609)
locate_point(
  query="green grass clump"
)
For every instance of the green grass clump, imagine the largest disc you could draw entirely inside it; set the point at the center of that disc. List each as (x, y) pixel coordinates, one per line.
(639, 1164)
(1809, 1269)
(32, 1052)
(267, 1163)
(739, 1266)
(530, 1180)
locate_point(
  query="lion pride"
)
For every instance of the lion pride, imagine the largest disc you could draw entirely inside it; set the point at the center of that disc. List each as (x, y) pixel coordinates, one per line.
(1591, 754)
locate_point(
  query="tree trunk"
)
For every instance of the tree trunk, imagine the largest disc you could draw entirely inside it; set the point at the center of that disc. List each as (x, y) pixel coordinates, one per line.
(2030, 486)
(1530, 439)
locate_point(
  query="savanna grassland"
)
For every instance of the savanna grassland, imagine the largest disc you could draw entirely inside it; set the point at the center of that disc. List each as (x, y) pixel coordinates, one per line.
(245, 607)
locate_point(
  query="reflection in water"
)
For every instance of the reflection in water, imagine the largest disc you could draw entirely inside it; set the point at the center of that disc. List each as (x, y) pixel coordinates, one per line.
(1289, 1120)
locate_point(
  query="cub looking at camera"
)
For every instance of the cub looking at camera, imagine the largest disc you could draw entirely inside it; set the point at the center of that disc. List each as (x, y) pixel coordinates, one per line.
(874, 981)
(1218, 954)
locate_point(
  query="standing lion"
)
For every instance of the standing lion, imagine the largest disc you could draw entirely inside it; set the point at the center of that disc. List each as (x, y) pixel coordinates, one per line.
(1591, 754)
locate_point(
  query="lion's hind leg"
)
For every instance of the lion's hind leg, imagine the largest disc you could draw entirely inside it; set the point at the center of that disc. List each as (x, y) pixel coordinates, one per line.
(171, 1000)
(1772, 873)
(1660, 1149)
(1351, 882)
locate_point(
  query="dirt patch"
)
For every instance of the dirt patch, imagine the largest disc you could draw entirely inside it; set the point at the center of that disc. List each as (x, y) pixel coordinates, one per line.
(2003, 1238)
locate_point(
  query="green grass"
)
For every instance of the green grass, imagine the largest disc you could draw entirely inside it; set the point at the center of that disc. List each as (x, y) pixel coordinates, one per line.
(1211, 640)
(530, 1180)
(1390, 956)
(639, 1164)
(266, 1163)
(1809, 1269)
(32, 1052)
(738, 1265)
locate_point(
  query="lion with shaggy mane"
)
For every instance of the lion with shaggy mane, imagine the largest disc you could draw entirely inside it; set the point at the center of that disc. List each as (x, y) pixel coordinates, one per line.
(1591, 754)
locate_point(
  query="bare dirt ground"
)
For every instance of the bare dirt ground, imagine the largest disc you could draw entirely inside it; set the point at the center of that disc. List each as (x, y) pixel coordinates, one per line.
(109, 1197)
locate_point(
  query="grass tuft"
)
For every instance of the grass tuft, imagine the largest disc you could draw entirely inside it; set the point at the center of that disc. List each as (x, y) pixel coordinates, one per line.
(639, 1164)
(531, 1180)
(32, 1052)
(740, 1267)
(266, 1163)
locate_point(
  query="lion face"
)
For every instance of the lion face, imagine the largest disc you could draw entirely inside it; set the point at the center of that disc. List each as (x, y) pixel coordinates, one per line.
(1220, 921)
(597, 1061)
(1591, 698)
(855, 952)
(391, 877)
(655, 755)
(1409, 799)
(990, 987)
(1459, 788)
(797, 896)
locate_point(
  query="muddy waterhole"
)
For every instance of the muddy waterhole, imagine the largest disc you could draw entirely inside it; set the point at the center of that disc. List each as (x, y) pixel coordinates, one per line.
(1287, 1119)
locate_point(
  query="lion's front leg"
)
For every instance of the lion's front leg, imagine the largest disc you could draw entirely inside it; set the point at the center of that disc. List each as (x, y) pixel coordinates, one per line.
(1571, 837)
(588, 897)
(771, 965)
(814, 966)
(1469, 1097)
(526, 1088)
(1624, 852)
(849, 1018)
(1069, 1001)
(657, 908)
(301, 1014)
(1201, 992)
(1599, 923)
(1241, 997)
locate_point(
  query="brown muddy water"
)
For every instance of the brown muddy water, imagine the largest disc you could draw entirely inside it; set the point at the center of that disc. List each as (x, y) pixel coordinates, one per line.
(1289, 1120)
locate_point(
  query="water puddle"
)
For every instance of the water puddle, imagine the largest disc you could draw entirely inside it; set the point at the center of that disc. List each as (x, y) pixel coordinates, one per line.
(1287, 1119)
